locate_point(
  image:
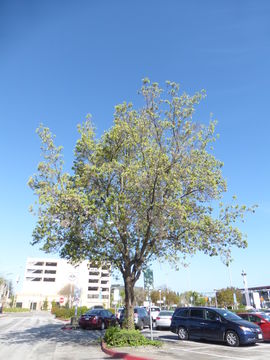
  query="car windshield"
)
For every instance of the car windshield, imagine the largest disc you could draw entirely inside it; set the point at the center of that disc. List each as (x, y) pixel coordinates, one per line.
(265, 316)
(228, 314)
(165, 313)
(93, 312)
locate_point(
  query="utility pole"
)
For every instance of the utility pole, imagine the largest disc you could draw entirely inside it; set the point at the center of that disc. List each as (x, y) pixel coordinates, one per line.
(243, 273)
(159, 298)
(216, 304)
(149, 284)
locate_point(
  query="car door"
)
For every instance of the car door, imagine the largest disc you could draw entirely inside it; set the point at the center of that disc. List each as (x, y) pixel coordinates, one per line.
(109, 318)
(264, 325)
(196, 323)
(213, 329)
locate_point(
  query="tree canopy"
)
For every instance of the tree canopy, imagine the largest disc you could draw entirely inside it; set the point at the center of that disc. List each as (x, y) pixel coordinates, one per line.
(149, 188)
(225, 297)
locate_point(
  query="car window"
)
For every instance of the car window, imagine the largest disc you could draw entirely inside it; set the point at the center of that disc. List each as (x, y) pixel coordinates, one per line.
(244, 316)
(182, 313)
(142, 312)
(211, 315)
(265, 316)
(106, 313)
(254, 318)
(196, 313)
(94, 312)
(165, 313)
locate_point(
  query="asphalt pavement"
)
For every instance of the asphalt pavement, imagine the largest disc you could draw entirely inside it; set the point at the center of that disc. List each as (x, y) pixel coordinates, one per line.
(38, 336)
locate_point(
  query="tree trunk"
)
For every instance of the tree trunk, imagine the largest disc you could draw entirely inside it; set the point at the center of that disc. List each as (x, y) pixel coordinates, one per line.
(129, 303)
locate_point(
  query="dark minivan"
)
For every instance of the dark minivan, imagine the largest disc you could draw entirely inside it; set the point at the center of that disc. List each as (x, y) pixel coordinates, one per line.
(214, 324)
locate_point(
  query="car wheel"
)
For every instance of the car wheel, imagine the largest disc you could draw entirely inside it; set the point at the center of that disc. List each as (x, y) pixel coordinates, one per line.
(182, 334)
(232, 339)
(102, 326)
(141, 326)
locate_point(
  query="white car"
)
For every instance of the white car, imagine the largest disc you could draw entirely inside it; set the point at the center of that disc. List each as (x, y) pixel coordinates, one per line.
(163, 320)
(154, 312)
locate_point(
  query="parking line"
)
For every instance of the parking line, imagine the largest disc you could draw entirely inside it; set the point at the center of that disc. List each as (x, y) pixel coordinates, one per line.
(215, 355)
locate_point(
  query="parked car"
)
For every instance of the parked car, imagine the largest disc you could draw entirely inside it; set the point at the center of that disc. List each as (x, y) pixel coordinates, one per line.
(97, 319)
(97, 307)
(118, 313)
(214, 324)
(260, 318)
(267, 311)
(154, 312)
(141, 318)
(163, 320)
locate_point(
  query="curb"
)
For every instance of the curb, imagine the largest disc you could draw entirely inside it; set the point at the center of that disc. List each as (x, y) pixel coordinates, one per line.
(120, 355)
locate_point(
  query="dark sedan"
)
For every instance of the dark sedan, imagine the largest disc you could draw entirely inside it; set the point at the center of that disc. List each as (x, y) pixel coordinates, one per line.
(97, 319)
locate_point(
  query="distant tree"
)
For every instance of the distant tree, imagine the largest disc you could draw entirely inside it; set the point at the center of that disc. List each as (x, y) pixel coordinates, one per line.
(149, 188)
(225, 296)
(170, 296)
(6, 291)
(45, 304)
(139, 295)
(67, 290)
(122, 295)
(192, 297)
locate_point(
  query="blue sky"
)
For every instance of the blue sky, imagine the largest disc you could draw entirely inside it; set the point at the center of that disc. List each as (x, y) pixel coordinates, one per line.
(60, 60)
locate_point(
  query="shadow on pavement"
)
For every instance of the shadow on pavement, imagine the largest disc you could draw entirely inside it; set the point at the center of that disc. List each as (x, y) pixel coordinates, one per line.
(52, 333)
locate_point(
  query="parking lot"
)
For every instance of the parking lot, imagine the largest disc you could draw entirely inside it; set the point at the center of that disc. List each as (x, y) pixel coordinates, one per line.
(40, 336)
(202, 350)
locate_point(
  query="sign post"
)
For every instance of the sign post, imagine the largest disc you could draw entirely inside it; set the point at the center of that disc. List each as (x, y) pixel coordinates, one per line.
(148, 284)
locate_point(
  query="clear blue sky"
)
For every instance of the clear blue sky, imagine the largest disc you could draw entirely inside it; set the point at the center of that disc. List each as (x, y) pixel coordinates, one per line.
(60, 60)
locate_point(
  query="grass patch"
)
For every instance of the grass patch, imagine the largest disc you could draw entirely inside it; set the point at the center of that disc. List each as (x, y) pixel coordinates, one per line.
(116, 337)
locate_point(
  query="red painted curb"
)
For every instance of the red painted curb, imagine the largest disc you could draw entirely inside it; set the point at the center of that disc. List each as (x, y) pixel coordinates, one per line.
(120, 355)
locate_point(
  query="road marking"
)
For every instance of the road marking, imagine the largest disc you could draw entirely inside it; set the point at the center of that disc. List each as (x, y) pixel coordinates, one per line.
(215, 355)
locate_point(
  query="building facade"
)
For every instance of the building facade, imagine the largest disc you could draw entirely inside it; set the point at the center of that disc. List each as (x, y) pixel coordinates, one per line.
(55, 280)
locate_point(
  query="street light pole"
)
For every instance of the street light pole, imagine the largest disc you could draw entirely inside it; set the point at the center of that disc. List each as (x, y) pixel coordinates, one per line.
(246, 287)
(159, 297)
(216, 304)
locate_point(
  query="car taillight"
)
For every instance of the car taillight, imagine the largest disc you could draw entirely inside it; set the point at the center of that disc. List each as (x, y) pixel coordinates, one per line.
(95, 319)
(158, 318)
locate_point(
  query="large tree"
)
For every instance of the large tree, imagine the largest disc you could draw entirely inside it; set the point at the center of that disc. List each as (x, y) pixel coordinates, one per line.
(149, 188)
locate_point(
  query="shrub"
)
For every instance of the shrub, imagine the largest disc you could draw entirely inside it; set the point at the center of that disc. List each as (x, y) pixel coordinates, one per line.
(116, 337)
(64, 313)
(5, 310)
